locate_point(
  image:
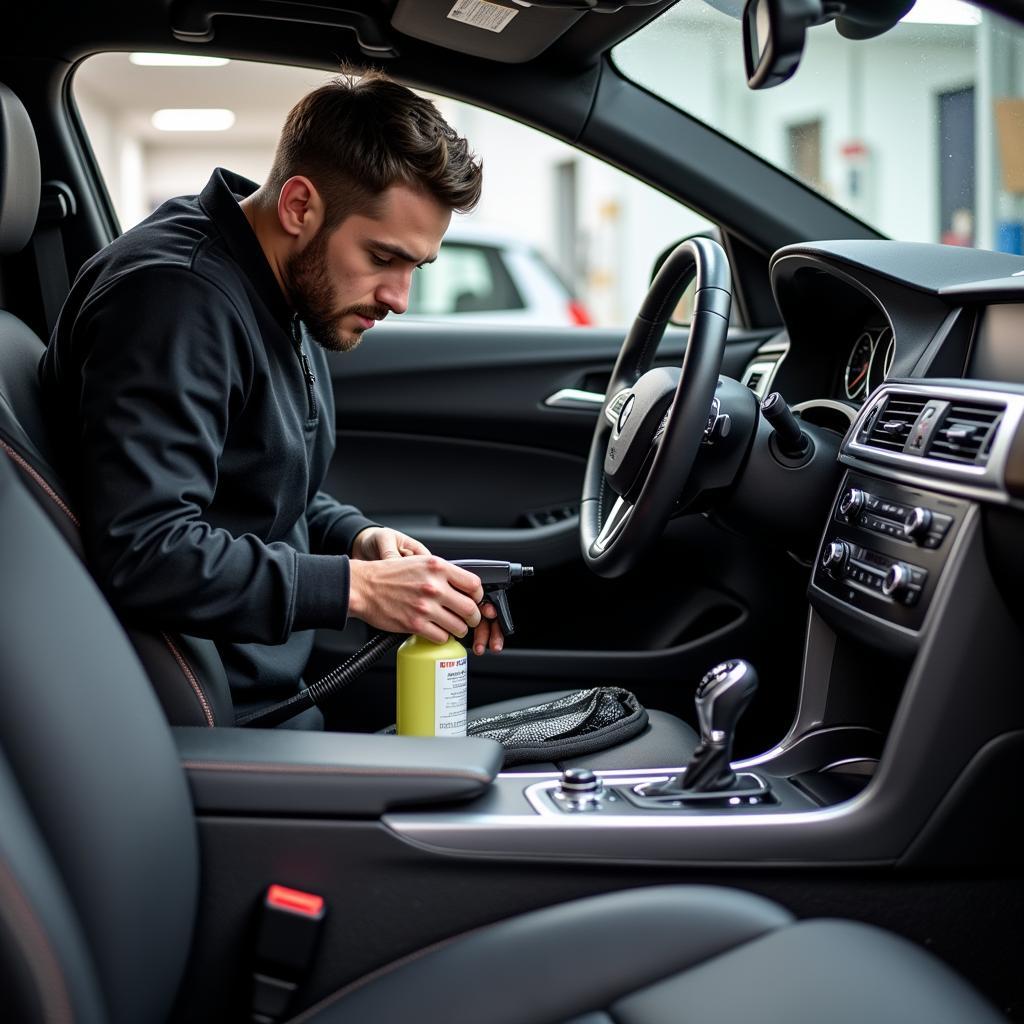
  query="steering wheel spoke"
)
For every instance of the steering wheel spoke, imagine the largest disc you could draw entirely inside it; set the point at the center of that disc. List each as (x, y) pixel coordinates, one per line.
(614, 524)
(613, 409)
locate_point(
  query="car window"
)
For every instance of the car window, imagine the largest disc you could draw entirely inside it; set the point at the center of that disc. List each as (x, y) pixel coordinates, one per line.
(465, 279)
(917, 132)
(559, 237)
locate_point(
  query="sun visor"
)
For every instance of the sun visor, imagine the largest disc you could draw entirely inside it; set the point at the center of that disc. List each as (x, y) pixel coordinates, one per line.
(505, 32)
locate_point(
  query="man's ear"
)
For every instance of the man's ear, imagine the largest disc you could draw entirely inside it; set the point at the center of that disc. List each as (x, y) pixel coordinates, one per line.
(300, 209)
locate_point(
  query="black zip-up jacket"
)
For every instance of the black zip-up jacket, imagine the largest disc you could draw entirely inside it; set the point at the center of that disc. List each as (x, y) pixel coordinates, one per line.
(195, 427)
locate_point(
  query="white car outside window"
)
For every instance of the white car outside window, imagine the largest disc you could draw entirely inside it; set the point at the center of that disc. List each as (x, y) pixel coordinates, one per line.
(485, 275)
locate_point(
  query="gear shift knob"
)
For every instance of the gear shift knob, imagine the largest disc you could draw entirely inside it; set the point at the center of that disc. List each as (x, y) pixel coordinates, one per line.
(721, 699)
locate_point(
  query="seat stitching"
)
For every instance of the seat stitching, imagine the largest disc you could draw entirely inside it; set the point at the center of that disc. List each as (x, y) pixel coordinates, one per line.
(42, 960)
(323, 769)
(40, 480)
(191, 677)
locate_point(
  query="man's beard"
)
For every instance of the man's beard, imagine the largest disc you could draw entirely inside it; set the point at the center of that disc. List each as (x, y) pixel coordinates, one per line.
(312, 297)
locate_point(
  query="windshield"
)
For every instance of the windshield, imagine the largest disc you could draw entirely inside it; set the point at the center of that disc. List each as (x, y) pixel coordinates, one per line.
(919, 132)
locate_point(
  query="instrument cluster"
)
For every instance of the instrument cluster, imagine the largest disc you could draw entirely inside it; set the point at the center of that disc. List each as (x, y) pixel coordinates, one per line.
(868, 362)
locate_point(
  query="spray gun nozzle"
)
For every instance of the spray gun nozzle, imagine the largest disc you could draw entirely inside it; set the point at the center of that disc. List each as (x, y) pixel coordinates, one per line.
(497, 576)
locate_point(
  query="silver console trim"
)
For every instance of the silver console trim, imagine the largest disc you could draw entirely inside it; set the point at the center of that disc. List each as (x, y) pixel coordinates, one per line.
(850, 412)
(650, 838)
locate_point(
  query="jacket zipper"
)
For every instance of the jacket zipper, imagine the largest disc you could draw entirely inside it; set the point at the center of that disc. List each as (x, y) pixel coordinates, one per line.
(307, 370)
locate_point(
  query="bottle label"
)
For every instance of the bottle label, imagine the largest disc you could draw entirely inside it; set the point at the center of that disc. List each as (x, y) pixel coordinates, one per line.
(450, 676)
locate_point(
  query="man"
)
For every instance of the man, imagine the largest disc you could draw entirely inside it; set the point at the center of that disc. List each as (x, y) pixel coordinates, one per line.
(196, 421)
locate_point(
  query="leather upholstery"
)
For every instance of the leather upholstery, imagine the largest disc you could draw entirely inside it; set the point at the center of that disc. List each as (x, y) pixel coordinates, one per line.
(95, 765)
(19, 174)
(275, 771)
(663, 955)
(570, 959)
(835, 971)
(45, 966)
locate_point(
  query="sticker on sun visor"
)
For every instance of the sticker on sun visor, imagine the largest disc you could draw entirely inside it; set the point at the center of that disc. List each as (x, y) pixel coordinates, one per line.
(482, 14)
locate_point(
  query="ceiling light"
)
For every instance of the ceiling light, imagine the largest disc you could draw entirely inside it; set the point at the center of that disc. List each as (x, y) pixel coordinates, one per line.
(942, 12)
(198, 119)
(176, 60)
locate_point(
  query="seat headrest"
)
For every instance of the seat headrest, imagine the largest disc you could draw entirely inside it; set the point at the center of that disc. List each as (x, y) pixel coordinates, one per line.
(19, 174)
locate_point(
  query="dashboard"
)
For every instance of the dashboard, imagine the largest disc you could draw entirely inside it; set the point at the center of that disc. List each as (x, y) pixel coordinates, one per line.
(915, 354)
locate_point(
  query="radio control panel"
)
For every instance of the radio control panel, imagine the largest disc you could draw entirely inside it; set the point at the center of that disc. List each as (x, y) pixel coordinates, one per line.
(885, 547)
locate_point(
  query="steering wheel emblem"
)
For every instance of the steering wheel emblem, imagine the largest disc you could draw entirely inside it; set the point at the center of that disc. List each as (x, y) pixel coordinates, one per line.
(627, 408)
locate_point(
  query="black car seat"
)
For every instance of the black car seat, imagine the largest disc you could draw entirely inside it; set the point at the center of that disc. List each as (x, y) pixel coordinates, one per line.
(100, 874)
(186, 672)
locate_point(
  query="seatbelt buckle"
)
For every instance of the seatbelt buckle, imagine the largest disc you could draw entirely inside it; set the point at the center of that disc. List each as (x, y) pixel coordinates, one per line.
(289, 929)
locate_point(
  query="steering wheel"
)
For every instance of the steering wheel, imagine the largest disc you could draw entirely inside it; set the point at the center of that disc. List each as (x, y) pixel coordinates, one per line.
(653, 420)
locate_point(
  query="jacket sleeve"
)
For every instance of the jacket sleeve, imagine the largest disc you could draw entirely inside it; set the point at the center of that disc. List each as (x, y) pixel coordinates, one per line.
(165, 358)
(333, 526)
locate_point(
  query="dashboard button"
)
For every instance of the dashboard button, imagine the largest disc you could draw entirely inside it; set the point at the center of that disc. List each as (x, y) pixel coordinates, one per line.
(834, 558)
(897, 581)
(852, 502)
(918, 523)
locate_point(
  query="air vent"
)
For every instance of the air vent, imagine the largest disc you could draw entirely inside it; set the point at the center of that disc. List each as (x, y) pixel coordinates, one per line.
(758, 375)
(965, 434)
(889, 428)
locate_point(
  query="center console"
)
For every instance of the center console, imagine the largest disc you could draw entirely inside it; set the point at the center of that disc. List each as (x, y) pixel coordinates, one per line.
(910, 720)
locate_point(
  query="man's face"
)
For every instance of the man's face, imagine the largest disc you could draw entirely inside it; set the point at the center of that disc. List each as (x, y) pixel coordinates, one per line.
(346, 279)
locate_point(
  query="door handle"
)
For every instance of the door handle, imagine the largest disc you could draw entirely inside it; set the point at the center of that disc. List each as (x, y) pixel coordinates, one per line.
(573, 398)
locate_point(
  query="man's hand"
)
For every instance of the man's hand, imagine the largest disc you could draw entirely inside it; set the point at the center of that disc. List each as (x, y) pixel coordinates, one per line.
(377, 542)
(420, 594)
(488, 634)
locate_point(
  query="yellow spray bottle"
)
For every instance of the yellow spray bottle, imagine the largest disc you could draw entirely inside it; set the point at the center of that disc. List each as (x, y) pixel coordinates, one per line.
(432, 678)
(432, 688)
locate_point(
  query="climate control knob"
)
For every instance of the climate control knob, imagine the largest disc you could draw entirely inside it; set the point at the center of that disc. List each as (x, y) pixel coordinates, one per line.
(851, 502)
(917, 523)
(897, 580)
(834, 556)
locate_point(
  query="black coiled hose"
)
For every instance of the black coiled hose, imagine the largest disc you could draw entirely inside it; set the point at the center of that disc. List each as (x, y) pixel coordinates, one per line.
(323, 689)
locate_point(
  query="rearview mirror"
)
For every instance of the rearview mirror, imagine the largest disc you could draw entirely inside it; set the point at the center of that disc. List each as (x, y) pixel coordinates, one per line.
(773, 38)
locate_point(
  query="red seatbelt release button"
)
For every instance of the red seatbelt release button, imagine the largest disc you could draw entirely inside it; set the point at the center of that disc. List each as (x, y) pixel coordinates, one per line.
(289, 928)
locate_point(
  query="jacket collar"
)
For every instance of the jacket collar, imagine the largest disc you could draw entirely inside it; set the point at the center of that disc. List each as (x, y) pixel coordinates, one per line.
(220, 199)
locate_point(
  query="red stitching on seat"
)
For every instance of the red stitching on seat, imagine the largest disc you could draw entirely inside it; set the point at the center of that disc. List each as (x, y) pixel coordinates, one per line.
(197, 688)
(41, 482)
(42, 961)
(179, 658)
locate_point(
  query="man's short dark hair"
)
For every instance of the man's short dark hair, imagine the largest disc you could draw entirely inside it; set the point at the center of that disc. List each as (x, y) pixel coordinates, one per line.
(360, 134)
